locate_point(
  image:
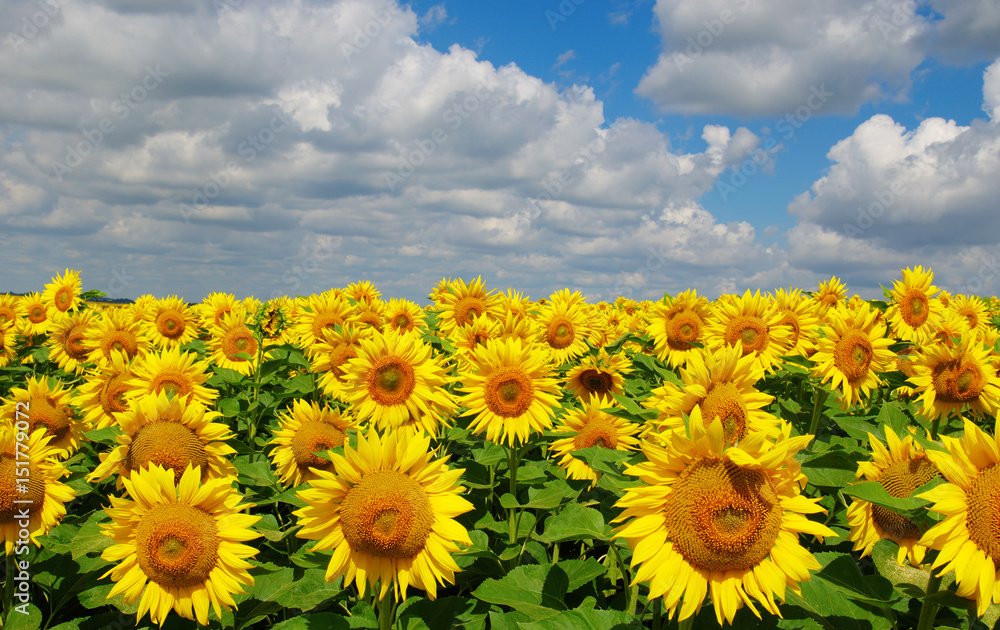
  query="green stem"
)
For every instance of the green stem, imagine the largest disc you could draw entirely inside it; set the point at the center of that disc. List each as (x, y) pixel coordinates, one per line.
(513, 461)
(687, 624)
(818, 400)
(656, 613)
(386, 611)
(928, 609)
(8, 600)
(935, 425)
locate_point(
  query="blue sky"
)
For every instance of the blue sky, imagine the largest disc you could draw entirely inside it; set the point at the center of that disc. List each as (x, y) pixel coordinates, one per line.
(287, 147)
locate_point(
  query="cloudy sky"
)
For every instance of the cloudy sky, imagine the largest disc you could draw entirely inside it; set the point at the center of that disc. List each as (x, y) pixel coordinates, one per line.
(615, 147)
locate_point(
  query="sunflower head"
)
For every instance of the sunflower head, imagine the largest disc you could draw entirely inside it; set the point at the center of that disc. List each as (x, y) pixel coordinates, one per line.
(63, 293)
(304, 433)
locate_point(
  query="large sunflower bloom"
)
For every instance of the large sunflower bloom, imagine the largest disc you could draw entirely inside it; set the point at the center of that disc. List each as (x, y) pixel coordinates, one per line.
(67, 335)
(36, 315)
(955, 380)
(170, 322)
(511, 391)
(232, 337)
(395, 379)
(751, 320)
(63, 293)
(969, 536)
(596, 378)
(853, 352)
(719, 520)
(387, 511)
(319, 313)
(307, 430)
(974, 311)
(591, 427)
(34, 479)
(564, 326)
(462, 303)
(900, 466)
(403, 315)
(915, 311)
(676, 325)
(179, 543)
(46, 403)
(173, 372)
(104, 393)
(798, 313)
(115, 331)
(331, 354)
(10, 311)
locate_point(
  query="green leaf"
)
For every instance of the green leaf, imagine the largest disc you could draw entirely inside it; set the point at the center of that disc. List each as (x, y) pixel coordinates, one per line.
(841, 570)
(107, 435)
(585, 620)
(832, 469)
(581, 571)
(314, 621)
(443, 613)
(17, 620)
(575, 522)
(528, 589)
(256, 473)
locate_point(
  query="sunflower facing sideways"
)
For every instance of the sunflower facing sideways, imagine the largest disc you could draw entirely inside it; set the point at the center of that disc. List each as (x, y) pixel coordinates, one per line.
(178, 544)
(591, 427)
(46, 403)
(67, 333)
(308, 429)
(511, 391)
(719, 520)
(387, 512)
(852, 352)
(596, 378)
(900, 466)
(105, 393)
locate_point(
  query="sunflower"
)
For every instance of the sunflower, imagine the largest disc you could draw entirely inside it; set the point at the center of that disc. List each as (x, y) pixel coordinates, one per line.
(905, 361)
(974, 311)
(308, 429)
(510, 389)
(852, 353)
(463, 303)
(170, 322)
(563, 327)
(370, 315)
(471, 336)
(214, 306)
(331, 354)
(524, 327)
(168, 432)
(387, 511)
(67, 334)
(174, 372)
(513, 302)
(591, 427)
(719, 519)
(950, 328)
(230, 338)
(115, 331)
(394, 378)
(900, 469)
(752, 321)
(956, 380)
(969, 536)
(596, 378)
(105, 392)
(46, 403)
(319, 313)
(362, 292)
(178, 543)
(8, 349)
(830, 294)
(10, 311)
(720, 383)
(676, 324)
(915, 313)
(30, 489)
(799, 314)
(63, 293)
(36, 315)
(403, 315)
(274, 319)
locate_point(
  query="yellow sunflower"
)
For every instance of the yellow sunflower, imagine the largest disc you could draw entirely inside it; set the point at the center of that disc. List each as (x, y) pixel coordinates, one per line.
(974, 311)
(174, 372)
(596, 378)
(798, 313)
(66, 342)
(178, 544)
(471, 336)
(915, 312)
(830, 294)
(307, 430)
(330, 355)
(676, 324)
(387, 511)
(852, 353)
(214, 306)
(720, 383)
(751, 320)
(170, 323)
(956, 380)
(115, 331)
(8, 345)
(46, 403)
(168, 432)
(104, 392)
(462, 303)
(63, 293)
(403, 315)
(370, 315)
(900, 468)
(719, 519)
(362, 292)
(591, 427)
(950, 327)
(563, 327)
(513, 302)
(318, 313)
(29, 487)
(10, 311)
(522, 327)
(510, 389)
(36, 315)
(230, 338)
(396, 378)
(969, 536)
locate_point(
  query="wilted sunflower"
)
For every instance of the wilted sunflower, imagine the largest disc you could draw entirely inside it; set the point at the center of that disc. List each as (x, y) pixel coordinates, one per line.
(387, 511)
(63, 293)
(676, 324)
(307, 430)
(47, 495)
(592, 427)
(915, 312)
(852, 352)
(720, 383)
(751, 320)
(231, 338)
(511, 391)
(46, 403)
(720, 520)
(403, 315)
(563, 327)
(596, 378)
(462, 303)
(168, 432)
(969, 536)
(396, 377)
(956, 380)
(66, 342)
(174, 372)
(178, 544)
(10, 311)
(318, 313)
(36, 315)
(104, 392)
(170, 323)
(331, 354)
(900, 469)
(115, 331)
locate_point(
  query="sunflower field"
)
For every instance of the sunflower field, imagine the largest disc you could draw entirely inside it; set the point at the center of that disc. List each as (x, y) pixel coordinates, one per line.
(795, 460)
